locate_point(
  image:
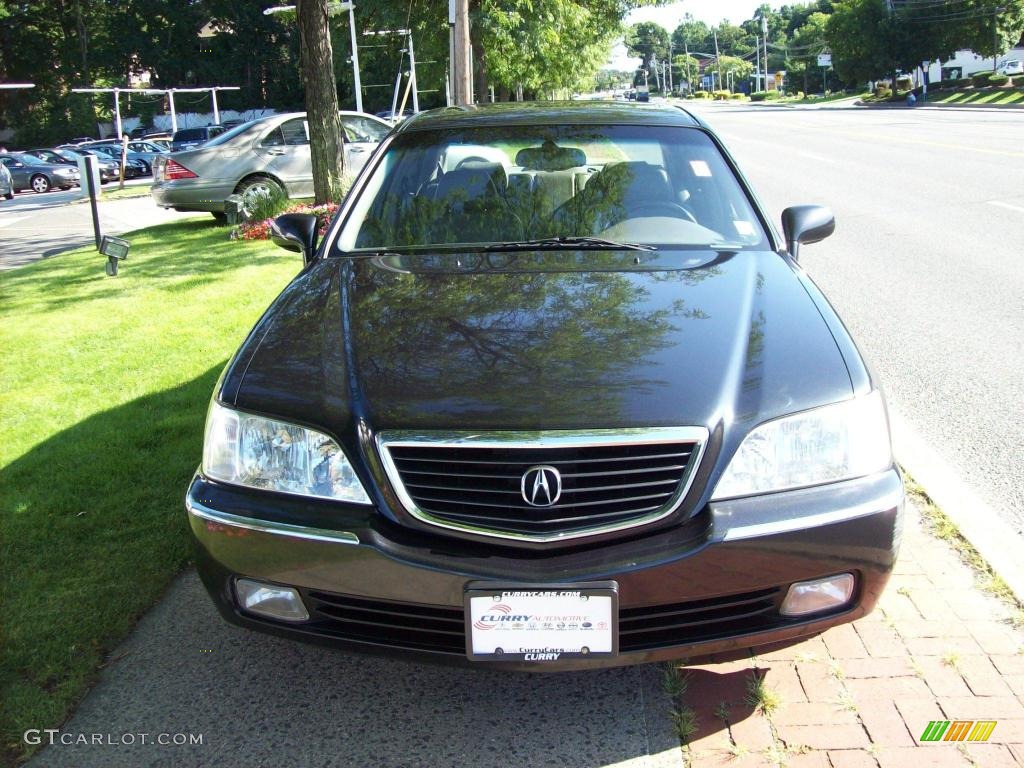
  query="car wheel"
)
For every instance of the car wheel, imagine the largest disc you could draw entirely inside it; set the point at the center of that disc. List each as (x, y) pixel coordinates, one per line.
(256, 192)
(40, 184)
(10, 195)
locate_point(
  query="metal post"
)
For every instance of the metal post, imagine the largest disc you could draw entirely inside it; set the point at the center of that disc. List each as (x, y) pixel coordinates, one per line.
(757, 71)
(718, 59)
(671, 88)
(117, 113)
(686, 53)
(216, 112)
(412, 74)
(355, 57)
(174, 115)
(90, 182)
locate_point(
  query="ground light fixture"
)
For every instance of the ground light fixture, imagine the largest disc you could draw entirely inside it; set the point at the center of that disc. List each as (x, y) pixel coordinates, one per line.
(115, 249)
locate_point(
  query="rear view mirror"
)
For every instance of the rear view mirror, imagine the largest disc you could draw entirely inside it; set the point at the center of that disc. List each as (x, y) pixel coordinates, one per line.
(296, 232)
(805, 224)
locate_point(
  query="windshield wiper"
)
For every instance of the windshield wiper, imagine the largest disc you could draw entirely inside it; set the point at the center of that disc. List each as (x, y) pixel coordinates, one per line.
(568, 242)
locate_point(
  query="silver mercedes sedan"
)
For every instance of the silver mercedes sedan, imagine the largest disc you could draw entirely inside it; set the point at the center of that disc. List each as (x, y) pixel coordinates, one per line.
(265, 156)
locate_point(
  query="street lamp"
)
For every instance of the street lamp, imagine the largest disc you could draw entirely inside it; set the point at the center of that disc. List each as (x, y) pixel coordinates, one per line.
(337, 8)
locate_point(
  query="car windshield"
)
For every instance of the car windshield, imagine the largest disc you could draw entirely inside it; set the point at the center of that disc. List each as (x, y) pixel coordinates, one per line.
(499, 186)
(27, 159)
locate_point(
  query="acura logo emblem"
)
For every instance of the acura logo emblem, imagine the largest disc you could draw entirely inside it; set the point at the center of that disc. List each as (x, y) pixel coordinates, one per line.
(541, 486)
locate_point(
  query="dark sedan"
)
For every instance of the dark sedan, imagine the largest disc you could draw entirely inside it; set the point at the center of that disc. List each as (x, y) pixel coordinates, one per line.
(552, 393)
(110, 169)
(29, 172)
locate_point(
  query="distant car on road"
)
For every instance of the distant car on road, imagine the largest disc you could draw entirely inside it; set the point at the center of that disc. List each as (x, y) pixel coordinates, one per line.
(6, 182)
(189, 138)
(265, 156)
(29, 172)
(1012, 67)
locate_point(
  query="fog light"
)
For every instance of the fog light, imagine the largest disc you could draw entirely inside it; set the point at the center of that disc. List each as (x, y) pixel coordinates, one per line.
(270, 600)
(807, 597)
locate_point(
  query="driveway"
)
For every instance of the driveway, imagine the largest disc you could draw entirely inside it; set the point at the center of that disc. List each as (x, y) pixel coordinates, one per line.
(34, 226)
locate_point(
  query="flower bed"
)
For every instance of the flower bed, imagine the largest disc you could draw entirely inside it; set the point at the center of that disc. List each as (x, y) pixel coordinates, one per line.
(259, 229)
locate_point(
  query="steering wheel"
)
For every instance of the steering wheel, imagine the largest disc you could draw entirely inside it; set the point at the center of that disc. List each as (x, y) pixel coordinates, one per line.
(660, 208)
(470, 159)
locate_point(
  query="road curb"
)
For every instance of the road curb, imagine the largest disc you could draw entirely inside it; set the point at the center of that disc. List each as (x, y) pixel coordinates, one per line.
(989, 534)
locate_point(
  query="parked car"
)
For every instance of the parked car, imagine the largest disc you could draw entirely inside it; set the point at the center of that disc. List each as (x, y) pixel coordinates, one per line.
(138, 149)
(110, 169)
(232, 123)
(6, 182)
(135, 164)
(1012, 67)
(581, 407)
(190, 138)
(265, 156)
(29, 172)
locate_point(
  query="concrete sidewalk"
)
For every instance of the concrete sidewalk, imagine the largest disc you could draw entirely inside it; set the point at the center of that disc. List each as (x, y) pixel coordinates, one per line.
(863, 694)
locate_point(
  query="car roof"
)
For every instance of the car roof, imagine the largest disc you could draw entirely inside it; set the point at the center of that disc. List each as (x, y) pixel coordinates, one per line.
(551, 113)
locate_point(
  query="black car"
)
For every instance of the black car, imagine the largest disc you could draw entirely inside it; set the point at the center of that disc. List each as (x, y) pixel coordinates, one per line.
(552, 393)
(110, 169)
(190, 138)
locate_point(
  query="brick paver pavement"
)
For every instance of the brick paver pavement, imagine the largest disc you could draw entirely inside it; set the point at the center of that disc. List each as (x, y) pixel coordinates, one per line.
(936, 648)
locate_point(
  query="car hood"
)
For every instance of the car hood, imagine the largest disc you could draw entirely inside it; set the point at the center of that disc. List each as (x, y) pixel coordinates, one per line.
(530, 341)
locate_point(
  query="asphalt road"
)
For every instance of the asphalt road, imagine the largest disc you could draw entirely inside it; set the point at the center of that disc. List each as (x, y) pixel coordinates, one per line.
(34, 226)
(926, 266)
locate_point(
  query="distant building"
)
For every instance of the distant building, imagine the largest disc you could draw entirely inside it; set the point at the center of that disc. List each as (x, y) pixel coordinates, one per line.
(966, 63)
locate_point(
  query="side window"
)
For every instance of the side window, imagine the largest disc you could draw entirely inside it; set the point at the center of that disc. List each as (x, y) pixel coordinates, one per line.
(294, 132)
(361, 129)
(273, 139)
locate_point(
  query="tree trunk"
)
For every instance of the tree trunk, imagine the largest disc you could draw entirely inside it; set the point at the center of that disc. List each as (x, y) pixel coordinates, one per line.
(325, 138)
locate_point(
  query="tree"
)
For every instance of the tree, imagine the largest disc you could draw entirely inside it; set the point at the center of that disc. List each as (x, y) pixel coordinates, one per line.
(807, 41)
(693, 35)
(648, 40)
(325, 141)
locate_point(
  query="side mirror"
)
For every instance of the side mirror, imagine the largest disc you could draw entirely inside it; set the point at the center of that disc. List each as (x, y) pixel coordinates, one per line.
(805, 224)
(296, 232)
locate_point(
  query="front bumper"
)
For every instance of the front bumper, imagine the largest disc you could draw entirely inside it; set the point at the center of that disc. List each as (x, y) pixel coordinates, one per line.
(373, 586)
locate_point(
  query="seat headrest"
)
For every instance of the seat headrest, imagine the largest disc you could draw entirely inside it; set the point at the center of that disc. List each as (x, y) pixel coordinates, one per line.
(550, 157)
(473, 180)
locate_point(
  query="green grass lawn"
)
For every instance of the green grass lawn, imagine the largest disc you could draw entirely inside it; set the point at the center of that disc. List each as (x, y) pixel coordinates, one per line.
(988, 97)
(104, 384)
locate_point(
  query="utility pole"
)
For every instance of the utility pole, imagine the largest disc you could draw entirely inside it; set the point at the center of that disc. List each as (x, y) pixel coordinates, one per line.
(671, 89)
(718, 59)
(757, 70)
(461, 66)
(764, 34)
(686, 53)
(412, 75)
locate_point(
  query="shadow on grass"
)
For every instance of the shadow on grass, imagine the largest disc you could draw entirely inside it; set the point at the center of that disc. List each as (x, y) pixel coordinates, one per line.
(93, 529)
(169, 257)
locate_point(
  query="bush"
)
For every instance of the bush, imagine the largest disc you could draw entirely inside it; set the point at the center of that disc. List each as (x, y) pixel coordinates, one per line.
(1018, 81)
(998, 80)
(882, 91)
(964, 82)
(722, 95)
(757, 96)
(944, 84)
(702, 95)
(772, 95)
(904, 84)
(259, 229)
(980, 79)
(737, 96)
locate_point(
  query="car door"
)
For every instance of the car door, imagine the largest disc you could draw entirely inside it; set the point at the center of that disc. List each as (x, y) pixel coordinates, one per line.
(19, 171)
(362, 135)
(284, 153)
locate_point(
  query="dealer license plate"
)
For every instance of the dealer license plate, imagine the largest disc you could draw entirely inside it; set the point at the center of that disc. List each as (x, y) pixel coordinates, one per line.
(543, 623)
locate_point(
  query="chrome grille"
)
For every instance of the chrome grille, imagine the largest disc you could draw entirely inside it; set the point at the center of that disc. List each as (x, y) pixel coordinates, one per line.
(610, 480)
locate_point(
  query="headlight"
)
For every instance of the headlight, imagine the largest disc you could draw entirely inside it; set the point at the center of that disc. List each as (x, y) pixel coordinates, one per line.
(824, 445)
(65, 172)
(276, 456)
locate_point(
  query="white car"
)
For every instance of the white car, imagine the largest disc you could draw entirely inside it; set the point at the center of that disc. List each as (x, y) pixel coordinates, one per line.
(1012, 67)
(6, 182)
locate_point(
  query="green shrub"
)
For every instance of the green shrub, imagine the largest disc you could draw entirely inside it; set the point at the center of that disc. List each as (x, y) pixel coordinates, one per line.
(722, 95)
(772, 95)
(882, 91)
(944, 84)
(904, 83)
(702, 95)
(737, 96)
(980, 79)
(1018, 81)
(757, 96)
(264, 203)
(964, 82)
(998, 79)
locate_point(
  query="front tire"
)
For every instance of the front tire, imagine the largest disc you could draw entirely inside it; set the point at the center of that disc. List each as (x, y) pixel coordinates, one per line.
(40, 184)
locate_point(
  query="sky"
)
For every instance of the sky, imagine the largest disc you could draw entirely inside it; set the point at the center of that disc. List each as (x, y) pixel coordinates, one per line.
(711, 12)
